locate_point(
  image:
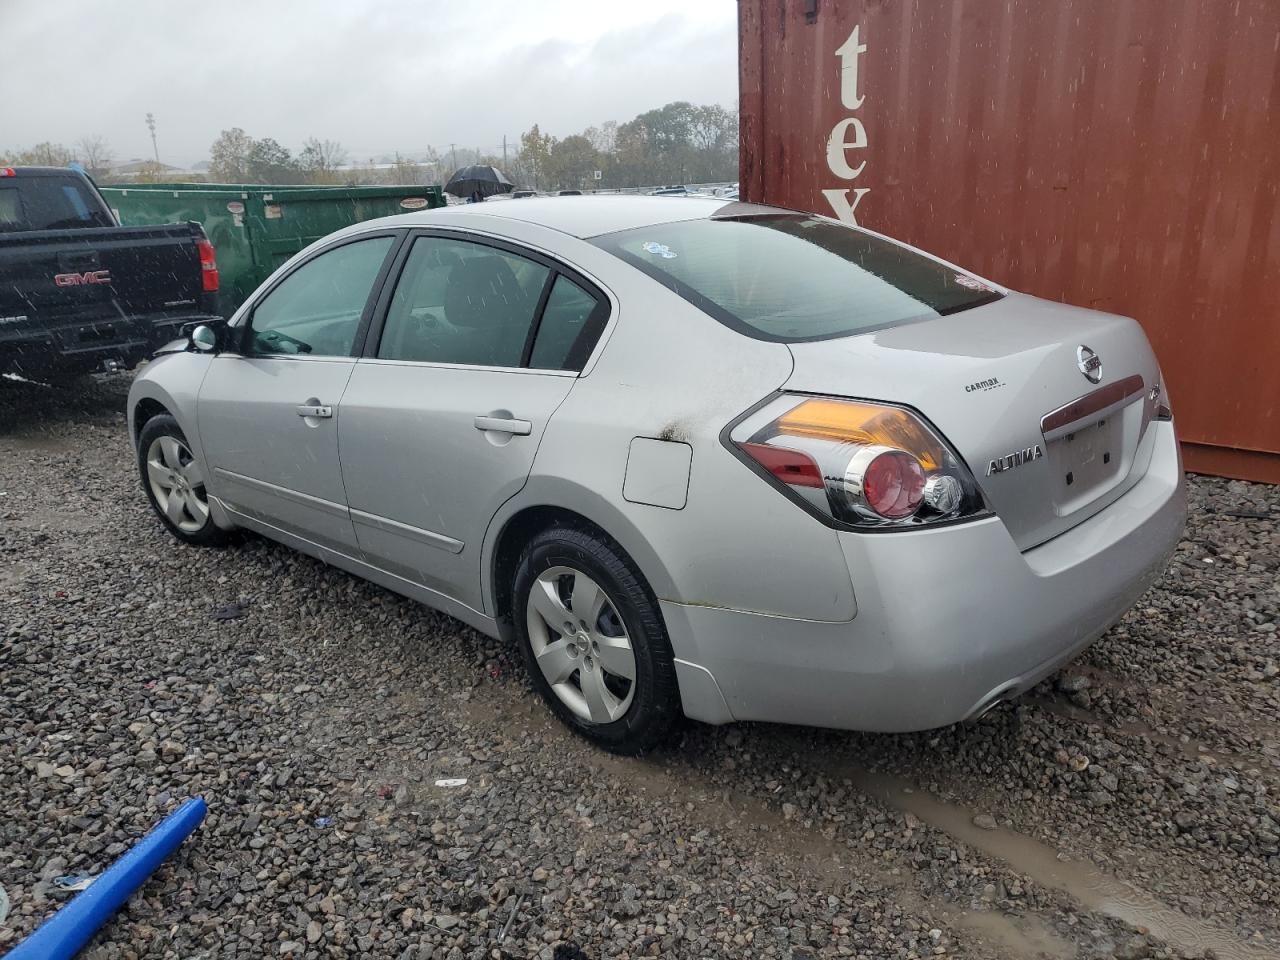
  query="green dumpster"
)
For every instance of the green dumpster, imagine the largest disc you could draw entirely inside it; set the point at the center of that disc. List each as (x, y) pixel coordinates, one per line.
(255, 228)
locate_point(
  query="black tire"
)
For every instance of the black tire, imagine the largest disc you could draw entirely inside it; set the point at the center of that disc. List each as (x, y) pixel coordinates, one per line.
(163, 425)
(655, 700)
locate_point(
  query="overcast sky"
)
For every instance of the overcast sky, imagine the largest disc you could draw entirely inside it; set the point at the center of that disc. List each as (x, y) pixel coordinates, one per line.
(377, 75)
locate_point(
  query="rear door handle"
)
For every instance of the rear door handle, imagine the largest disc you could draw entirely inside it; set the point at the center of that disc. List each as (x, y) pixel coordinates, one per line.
(521, 428)
(319, 410)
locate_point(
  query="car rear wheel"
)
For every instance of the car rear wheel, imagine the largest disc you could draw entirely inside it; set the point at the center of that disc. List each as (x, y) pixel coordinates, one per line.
(174, 483)
(593, 640)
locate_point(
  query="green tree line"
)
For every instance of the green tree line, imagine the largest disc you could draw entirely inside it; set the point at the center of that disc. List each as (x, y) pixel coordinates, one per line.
(680, 142)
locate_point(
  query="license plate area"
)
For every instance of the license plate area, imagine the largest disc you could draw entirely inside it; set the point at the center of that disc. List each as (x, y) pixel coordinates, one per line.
(1087, 460)
(1090, 444)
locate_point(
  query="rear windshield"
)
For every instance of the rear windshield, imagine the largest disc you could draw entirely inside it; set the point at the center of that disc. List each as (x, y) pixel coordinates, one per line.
(49, 203)
(792, 277)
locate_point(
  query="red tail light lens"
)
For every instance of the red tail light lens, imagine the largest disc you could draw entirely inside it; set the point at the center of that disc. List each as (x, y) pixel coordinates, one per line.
(208, 265)
(857, 463)
(892, 481)
(8, 172)
(789, 466)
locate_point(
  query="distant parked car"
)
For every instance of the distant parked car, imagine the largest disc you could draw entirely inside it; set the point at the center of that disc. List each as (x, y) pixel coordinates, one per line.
(569, 193)
(670, 192)
(748, 466)
(523, 194)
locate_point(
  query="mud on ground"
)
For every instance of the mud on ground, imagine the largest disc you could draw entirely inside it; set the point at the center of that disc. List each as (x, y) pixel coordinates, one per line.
(1126, 807)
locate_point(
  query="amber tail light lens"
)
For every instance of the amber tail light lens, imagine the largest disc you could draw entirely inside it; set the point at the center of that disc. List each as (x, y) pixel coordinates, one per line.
(861, 464)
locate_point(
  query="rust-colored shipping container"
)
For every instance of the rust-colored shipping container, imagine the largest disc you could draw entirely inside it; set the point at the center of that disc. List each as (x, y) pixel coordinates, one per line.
(1116, 154)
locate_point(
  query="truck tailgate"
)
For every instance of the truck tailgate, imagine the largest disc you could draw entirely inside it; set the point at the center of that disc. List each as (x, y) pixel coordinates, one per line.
(99, 290)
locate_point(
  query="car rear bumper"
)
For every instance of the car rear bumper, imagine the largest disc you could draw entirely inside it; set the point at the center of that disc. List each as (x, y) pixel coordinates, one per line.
(949, 621)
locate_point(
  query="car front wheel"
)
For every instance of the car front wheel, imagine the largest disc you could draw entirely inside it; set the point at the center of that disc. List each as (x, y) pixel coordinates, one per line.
(593, 640)
(174, 482)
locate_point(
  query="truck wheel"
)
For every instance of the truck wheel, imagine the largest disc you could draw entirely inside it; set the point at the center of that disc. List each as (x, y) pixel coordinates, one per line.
(174, 483)
(593, 640)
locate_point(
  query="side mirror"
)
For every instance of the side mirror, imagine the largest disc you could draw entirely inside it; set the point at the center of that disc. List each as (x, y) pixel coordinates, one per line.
(204, 339)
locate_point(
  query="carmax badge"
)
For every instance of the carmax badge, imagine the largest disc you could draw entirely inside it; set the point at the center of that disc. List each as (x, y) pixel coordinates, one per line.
(1015, 459)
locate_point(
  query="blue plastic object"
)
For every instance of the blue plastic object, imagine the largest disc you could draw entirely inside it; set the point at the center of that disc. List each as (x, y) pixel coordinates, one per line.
(62, 935)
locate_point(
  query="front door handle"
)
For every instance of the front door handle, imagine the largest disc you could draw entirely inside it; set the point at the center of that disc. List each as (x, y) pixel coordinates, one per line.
(319, 410)
(520, 428)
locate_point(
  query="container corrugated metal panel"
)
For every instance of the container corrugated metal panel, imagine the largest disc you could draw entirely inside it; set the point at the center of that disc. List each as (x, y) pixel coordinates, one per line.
(1117, 154)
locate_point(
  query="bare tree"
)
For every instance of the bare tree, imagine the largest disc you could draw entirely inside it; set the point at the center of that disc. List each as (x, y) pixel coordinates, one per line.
(44, 154)
(604, 137)
(95, 153)
(322, 159)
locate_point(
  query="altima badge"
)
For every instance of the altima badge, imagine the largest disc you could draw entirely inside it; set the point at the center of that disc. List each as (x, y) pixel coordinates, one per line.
(1015, 459)
(1090, 363)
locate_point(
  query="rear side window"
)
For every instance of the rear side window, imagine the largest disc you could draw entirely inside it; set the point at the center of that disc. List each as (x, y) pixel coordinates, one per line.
(316, 310)
(10, 210)
(50, 203)
(792, 277)
(569, 328)
(462, 302)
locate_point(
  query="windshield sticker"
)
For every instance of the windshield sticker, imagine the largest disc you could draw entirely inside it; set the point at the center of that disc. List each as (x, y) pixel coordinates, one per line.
(971, 283)
(658, 249)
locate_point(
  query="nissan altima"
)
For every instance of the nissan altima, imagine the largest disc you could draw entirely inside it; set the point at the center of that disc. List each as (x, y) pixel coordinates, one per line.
(705, 458)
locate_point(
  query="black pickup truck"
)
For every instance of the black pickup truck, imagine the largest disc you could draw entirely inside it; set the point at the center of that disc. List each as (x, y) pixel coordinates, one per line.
(79, 293)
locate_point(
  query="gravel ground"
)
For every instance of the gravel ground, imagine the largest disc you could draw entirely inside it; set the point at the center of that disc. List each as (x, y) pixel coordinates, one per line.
(1127, 807)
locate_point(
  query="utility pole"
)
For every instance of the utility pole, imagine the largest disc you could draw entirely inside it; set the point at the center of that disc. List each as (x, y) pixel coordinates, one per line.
(151, 125)
(504, 151)
(453, 149)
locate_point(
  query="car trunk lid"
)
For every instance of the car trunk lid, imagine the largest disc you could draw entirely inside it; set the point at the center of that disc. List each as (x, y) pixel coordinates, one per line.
(1004, 384)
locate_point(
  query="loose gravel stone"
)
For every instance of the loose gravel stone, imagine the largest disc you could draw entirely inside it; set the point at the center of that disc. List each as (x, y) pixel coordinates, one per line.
(318, 719)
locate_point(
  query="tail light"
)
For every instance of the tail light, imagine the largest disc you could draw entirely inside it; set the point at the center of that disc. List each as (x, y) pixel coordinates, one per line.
(8, 172)
(208, 265)
(864, 465)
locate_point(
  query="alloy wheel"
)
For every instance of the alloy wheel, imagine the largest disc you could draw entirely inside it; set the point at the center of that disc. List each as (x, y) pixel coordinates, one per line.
(581, 645)
(177, 483)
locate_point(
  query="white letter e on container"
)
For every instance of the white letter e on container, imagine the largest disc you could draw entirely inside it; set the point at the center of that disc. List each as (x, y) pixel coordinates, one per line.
(848, 134)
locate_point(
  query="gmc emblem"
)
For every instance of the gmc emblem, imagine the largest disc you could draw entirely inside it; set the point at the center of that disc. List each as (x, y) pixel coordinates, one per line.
(81, 279)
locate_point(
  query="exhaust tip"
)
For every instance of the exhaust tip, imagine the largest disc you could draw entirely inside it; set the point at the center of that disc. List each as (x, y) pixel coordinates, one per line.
(991, 702)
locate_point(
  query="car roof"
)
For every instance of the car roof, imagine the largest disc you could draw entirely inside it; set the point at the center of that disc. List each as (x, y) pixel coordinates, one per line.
(586, 216)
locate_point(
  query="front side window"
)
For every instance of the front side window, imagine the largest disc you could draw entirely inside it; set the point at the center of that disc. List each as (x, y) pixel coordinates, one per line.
(317, 309)
(462, 302)
(792, 277)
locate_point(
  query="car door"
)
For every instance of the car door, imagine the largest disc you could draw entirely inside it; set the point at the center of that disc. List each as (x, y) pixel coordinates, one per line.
(269, 412)
(475, 347)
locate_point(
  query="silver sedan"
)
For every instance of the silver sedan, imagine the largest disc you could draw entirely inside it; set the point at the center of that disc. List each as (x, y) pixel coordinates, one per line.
(703, 458)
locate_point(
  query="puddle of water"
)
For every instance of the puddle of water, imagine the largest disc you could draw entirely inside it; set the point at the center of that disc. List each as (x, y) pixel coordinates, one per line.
(1024, 936)
(1090, 886)
(772, 837)
(770, 834)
